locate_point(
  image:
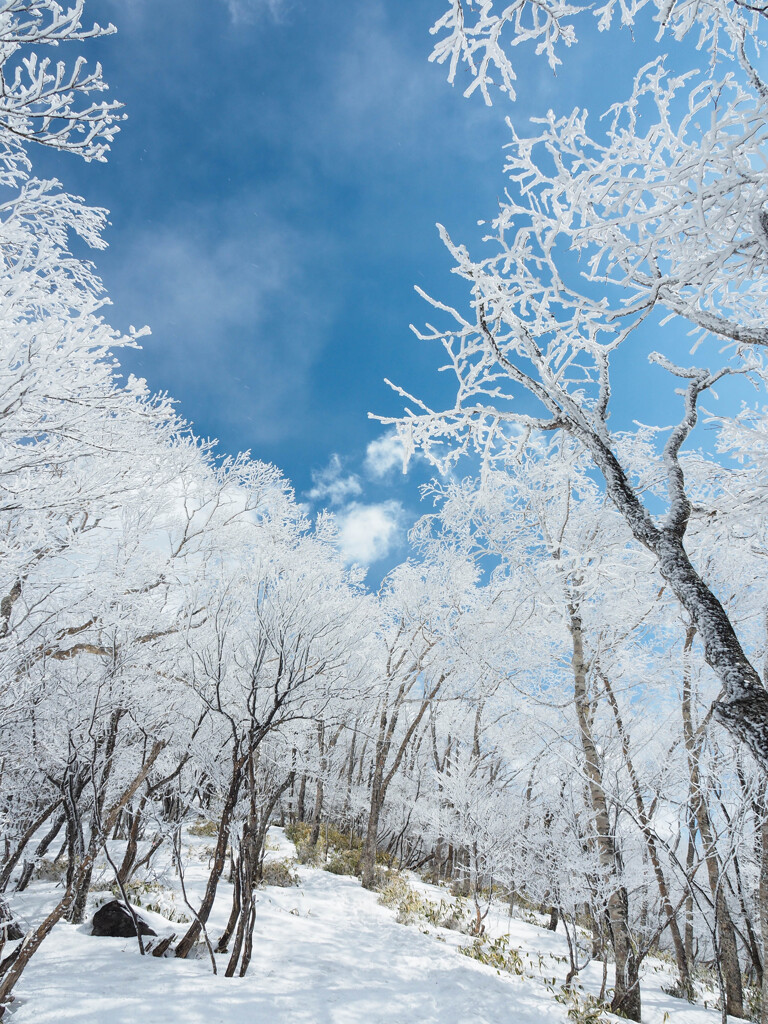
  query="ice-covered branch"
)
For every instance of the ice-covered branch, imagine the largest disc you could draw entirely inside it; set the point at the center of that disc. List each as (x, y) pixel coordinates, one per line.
(480, 34)
(50, 103)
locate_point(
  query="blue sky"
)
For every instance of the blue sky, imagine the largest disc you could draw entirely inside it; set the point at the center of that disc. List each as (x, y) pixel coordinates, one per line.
(273, 199)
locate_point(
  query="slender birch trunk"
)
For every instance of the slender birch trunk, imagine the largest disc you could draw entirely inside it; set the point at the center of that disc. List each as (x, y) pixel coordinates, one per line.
(626, 998)
(683, 965)
(726, 933)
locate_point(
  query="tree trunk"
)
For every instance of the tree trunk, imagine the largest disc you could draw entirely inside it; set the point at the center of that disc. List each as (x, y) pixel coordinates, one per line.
(726, 933)
(319, 791)
(763, 902)
(40, 850)
(744, 711)
(300, 810)
(382, 778)
(13, 858)
(219, 859)
(683, 966)
(234, 914)
(35, 938)
(248, 858)
(368, 857)
(132, 846)
(691, 949)
(626, 999)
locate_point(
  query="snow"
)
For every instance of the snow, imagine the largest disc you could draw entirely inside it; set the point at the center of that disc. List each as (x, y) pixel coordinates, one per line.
(325, 952)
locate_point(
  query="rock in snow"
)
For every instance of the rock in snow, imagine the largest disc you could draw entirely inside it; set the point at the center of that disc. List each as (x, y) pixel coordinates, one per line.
(114, 919)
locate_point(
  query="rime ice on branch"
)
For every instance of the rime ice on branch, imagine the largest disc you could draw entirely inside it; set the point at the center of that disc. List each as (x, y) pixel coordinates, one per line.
(665, 208)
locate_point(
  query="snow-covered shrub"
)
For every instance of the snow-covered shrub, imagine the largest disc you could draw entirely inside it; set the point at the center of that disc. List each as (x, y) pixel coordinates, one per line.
(395, 890)
(202, 827)
(344, 862)
(204, 853)
(279, 873)
(50, 870)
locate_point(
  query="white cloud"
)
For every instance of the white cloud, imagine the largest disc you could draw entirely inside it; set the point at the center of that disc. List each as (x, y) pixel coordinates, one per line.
(383, 454)
(331, 484)
(212, 290)
(248, 10)
(367, 533)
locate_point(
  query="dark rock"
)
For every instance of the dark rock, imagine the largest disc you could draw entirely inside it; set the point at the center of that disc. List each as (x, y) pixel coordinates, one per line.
(114, 919)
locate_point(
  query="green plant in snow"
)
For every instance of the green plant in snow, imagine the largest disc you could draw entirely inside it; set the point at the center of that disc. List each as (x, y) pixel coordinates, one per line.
(203, 827)
(279, 873)
(344, 862)
(411, 906)
(753, 1004)
(496, 953)
(306, 854)
(583, 1008)
(151, 896)
(450, 914)
(341, 851)
(395, 889)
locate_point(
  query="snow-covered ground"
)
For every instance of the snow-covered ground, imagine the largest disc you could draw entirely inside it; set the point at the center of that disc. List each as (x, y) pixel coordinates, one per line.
(325, 952)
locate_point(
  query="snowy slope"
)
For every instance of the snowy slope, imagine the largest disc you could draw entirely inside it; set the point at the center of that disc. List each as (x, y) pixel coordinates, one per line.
(324, 953)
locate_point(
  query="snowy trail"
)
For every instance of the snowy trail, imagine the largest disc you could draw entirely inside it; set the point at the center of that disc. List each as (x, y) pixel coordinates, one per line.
(341, 960)
(324, 953)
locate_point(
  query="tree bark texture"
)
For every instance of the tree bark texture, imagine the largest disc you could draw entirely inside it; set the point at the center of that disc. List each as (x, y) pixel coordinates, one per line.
(744, 709)
(726, 933)
(626, 998)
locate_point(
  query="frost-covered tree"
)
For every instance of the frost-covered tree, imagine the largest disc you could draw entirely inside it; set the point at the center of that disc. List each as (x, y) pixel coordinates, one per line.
(658, 218)
(423, 616)
(602, 690)
(275, 646)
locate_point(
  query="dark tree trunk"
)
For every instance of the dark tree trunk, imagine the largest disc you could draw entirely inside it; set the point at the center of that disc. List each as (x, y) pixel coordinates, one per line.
(744, 708)
(13, 858)
(300, 810)
(368, 858)
(131, 850)
(763, 903)
(24, 953)
(219, 860)
(40, 851)
(234, 914)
